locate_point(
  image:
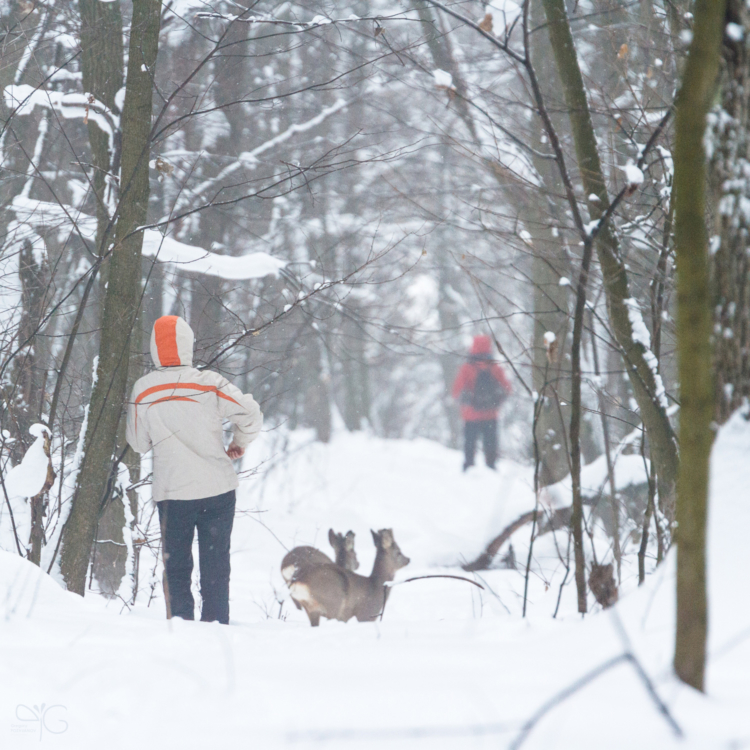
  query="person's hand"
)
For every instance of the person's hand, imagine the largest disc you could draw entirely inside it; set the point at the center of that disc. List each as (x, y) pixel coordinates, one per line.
(234, 451)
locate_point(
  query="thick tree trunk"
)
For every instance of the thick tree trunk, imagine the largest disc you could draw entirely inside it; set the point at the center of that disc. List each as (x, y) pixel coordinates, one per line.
(641, 365)
(694, 338)
(121, 301)
(101, 68)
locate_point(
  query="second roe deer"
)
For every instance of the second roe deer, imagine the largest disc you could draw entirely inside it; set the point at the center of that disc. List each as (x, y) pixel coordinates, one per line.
(302, 557)
(338, 594)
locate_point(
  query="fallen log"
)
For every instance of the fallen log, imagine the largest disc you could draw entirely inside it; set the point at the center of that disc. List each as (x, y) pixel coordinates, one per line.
(558, 519)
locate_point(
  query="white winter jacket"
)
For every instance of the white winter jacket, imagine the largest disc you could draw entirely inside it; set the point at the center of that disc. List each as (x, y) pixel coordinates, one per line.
(178, 411)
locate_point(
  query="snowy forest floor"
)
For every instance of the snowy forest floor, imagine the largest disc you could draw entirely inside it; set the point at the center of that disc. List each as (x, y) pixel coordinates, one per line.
(449, 666)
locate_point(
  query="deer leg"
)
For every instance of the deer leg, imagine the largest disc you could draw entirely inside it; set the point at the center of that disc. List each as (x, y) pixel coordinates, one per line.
(314, 618)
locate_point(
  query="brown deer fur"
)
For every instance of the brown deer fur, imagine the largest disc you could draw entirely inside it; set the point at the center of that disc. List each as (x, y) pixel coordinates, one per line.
(337, 594)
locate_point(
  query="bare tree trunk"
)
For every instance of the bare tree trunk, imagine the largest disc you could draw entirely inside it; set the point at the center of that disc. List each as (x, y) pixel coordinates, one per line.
(101, 69)
(694, 338)
(576, 519)
(647, 387)
(550, 263)
(121, 302)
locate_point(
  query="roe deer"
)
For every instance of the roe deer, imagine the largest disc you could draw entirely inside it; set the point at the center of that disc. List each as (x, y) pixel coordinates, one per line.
(302, 557)
(339, 594)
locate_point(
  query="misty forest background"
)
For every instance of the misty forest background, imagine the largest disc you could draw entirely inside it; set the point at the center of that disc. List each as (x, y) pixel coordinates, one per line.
(337, 197)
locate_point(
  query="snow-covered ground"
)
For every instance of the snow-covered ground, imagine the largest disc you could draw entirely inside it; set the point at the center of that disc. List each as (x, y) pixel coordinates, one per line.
(449, 666)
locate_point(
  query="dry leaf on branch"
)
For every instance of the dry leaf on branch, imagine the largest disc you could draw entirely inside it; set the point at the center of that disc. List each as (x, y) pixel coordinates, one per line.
(164, 167)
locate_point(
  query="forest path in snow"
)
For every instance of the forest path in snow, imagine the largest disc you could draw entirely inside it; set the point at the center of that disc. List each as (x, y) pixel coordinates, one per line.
(448, 666)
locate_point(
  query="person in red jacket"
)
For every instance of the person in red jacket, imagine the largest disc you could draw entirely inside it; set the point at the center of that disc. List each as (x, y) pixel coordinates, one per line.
(481, 387)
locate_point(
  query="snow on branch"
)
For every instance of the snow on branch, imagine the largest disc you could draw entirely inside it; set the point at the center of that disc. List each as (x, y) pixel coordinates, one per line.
(22, 99)
(250, 158)
(28, 477)
(316, 22)
(197, 260)
(642, 336)
(45, 215)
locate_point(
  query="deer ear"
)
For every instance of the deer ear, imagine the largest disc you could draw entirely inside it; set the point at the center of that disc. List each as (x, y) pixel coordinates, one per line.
(386, 537)
(375, 538)
(332, 537)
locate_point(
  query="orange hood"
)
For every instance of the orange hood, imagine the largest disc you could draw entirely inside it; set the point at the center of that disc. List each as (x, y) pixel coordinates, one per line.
(172, 342)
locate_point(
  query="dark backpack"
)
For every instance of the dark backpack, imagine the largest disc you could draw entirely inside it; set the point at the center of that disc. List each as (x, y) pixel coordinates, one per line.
(488, 394)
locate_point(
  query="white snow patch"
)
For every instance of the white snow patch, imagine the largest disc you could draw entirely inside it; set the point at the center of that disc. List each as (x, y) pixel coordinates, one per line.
(633, 174)
(735, 32)
(27, 478)
(421, 677)
(640, 332)
(197, 260)
(443, 79)
(642, 336)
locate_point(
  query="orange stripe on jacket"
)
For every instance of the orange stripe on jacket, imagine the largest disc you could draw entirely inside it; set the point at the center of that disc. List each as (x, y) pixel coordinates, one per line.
(191, 386)
(165, 334)
(173, 386)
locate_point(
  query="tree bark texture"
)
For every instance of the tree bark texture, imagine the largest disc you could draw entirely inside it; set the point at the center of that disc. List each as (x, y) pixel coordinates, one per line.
(576, 519)
(694, 337)
(121, 302)
(731, 192)
(647, 387)
(101, 69)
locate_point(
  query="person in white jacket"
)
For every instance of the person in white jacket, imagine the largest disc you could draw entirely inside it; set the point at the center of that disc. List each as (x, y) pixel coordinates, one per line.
(178, 412)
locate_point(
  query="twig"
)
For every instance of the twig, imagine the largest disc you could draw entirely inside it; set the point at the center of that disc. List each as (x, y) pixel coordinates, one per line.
(390, 584)
(563, 695)
(633, 659)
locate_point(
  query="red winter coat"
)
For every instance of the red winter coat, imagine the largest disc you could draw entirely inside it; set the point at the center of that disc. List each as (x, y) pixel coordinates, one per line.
(465, 380)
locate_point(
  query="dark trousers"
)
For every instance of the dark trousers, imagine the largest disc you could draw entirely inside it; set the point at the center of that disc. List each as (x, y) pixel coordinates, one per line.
(213, 517)
(487, 430)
